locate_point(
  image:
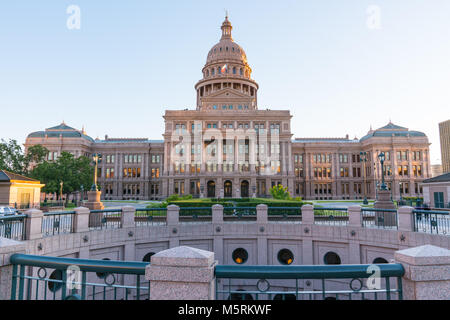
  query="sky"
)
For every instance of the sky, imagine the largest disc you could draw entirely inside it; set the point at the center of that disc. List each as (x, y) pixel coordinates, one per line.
(338, 66)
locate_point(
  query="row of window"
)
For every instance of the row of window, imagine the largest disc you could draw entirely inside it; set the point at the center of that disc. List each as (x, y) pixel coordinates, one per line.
(286, 257)
(227, 166)
(180, 128)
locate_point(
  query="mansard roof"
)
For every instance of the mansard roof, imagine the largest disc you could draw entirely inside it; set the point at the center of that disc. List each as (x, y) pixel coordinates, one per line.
(61, 130)
(392, 130)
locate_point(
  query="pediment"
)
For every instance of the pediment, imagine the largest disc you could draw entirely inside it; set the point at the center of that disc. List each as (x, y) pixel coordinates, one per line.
(228, 93)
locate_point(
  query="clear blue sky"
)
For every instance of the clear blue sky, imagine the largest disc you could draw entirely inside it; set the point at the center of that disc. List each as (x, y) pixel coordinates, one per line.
(131, 60)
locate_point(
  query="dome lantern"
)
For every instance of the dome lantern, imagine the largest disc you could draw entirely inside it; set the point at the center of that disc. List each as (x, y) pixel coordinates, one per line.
(226, 29)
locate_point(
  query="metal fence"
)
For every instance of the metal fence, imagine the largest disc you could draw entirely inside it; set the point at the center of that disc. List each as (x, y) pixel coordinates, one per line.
(288, 214)
(239, 213)
(192, 214)
(13, 227)
(432, 221)
(330, 216)
(105, 219)
(51, 278)
(317, 282)
(54, 223)
(150, 217)
(379, 218)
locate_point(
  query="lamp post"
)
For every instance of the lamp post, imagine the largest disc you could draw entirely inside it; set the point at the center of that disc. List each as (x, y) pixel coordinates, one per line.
(363, 159)
(97, 158)
(382, 157)
(61, 191)
(82, 193)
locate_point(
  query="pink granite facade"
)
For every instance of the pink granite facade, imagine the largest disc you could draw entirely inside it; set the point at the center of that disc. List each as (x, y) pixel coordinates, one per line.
(229, 147)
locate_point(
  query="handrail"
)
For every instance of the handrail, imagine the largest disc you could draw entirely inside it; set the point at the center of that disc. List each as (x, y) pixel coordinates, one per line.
(378, 210)
(307, 271)
(14, 217)
(89, 265)
(57, 213)
(431, 212)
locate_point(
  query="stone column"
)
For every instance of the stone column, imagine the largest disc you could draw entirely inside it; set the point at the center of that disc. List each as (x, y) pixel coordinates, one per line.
(8, 247)
(81, 220)
(173, 215)
(262, 213)
(307, 214)
(217, 213)
(127, 217)
(34, 224)
(182, 273)
(405, 219)
(427, 272)
(354, 216)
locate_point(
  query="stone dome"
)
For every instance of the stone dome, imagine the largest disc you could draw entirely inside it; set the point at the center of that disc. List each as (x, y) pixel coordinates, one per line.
(226, 50)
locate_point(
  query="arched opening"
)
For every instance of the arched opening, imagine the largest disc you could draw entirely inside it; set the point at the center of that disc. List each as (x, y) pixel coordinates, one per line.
(285, 296)
(244, 189)
(211, 189)
(379, 260)
(240, 296)
(331, 258)
(228, 189)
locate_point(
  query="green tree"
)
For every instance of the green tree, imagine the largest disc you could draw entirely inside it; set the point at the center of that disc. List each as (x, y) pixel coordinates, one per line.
(280, 192)
(13, 159)
(73, 172)
(11, 156)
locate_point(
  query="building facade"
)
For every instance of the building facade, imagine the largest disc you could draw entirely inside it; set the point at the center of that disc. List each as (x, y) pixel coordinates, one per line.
(228, 147)
(444, 134)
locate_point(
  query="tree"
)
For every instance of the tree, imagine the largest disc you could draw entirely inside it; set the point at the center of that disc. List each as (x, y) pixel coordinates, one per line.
(11, 156)
(73, 172)
(280, 192)
(13, 159)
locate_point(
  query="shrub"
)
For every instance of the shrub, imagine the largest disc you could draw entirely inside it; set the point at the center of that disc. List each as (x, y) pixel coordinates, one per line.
(280, 192)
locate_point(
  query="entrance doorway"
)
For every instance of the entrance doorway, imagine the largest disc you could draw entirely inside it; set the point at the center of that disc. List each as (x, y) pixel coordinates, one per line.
(244, 189)
(228, 189)
(211, 189)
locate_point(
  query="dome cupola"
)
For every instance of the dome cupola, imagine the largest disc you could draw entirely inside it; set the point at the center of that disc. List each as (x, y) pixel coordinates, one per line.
(226, 69)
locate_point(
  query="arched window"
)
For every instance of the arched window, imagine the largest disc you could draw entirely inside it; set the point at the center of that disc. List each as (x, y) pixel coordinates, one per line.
(213, 71)
(207, 73)
(240, 71)
(234, 69)
(331, 258)
(219, 70)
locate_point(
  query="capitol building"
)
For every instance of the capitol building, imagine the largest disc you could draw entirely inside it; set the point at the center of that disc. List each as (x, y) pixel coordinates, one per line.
(227, 147)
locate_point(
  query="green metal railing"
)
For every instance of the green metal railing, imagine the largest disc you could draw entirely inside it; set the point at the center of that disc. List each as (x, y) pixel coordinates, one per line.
(13, 227)
(237, 282)
(192, 214)
(105, 219)
(54, 223)
(239, 213)
(330, 216)
(150, 217)
(284, 214)
(379, 218)
(430, 221)
(50, 278)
